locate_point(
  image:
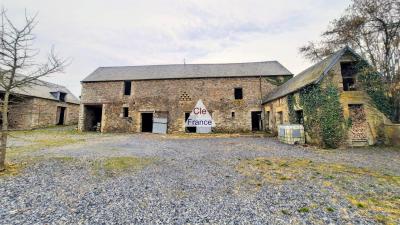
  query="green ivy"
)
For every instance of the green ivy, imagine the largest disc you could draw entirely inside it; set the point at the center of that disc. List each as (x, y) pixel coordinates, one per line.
(292, 113)
(371, 82)
(324, 115)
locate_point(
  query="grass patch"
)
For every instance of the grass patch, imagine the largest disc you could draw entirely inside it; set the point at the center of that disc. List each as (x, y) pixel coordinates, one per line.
(376, 193)
(14, 152)
(330, 209)
(12, 169)
(304, 210)
(118, 165)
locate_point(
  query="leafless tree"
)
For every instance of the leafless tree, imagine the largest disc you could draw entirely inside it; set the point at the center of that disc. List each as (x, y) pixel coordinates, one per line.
(17, 56)
(372, 28)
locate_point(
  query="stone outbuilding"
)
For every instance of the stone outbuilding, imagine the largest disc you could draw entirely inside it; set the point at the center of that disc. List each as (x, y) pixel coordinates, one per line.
(367, 122)
(131, 98)
(40, 105)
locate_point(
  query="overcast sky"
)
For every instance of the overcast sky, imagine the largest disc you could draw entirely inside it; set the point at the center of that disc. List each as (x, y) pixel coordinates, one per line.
(97, 33)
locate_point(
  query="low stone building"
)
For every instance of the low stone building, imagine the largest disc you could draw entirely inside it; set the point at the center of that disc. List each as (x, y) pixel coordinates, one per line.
(41, 105)
(127, 99)
(366, 122)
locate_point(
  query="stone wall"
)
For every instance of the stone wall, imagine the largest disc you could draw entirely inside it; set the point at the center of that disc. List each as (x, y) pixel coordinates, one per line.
(20, 113)
(172, 98)
(392, 134)
(30, 113)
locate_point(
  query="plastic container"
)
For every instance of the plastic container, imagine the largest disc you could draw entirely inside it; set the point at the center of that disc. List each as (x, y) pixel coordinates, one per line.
(291, 134)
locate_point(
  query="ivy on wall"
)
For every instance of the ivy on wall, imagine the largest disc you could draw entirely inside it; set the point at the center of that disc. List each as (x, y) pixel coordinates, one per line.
(324, 115)
(292, 113)
(371, 82)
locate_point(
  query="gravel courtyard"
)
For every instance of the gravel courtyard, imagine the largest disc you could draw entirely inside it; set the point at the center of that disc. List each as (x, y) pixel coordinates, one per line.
(59, 176)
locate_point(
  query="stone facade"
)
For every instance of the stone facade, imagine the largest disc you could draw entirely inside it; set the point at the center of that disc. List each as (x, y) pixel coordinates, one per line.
(31, 112)
(375, 120)
(171, 99)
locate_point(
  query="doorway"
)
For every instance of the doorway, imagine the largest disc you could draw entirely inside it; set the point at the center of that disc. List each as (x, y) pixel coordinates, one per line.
(359, 126)
(61, 115)
(256, 121)
(147, 122)
(93, 117)
(189, 129)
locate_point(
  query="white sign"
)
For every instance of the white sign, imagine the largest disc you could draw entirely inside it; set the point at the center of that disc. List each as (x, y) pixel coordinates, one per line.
(200, 117)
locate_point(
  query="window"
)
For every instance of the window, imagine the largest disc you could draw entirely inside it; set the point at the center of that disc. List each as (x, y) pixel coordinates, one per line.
(233, 114)
(127, 87)
(62, 96)
(299, 117)
(267, 119)
(349, 73)
(126, 112)
(238, 93)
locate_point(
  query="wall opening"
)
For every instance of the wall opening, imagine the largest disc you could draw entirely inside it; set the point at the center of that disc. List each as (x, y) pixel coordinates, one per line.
(359, 126)
(147, 122)
(299, 117)
(60, 115)
(238, 93)
(127, 87)
(349, 72)
(256, 121)
(189, 129)
(93, 117)
(125, 112)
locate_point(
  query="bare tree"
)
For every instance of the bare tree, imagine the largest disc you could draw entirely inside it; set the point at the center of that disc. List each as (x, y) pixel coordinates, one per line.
(16, 57)
(372, 28)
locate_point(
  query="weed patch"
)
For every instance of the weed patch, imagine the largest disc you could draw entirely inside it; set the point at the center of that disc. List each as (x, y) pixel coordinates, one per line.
(304, 210)
(117, 165)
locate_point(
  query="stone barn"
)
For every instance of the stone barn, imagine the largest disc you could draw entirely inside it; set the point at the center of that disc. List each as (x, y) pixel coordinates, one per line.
(133, 98)
(365, 122)
(41, 105)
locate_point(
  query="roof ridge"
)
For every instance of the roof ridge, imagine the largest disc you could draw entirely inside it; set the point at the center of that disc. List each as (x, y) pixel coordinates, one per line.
(186, 64)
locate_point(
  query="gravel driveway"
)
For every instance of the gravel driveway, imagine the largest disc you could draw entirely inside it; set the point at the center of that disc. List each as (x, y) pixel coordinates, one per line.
(188, 180)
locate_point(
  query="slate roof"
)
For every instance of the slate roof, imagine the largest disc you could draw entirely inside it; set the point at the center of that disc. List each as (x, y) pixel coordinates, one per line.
(181, 71)
(311, 75)
(43, 89)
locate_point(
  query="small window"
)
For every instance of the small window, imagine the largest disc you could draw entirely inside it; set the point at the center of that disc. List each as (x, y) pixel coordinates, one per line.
(233, 114)
(126, 111)
(62, 96)
(127, 87)
(267, 119)
(238, 93)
